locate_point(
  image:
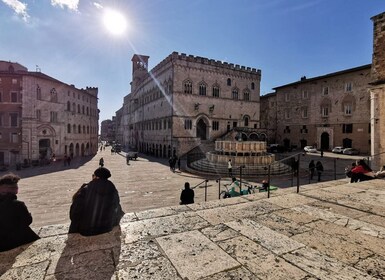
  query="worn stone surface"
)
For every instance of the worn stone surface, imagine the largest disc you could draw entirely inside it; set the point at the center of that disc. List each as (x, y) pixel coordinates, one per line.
(240, 211)
(269, 239)
(260, 261)
(328, 231)
(191, 250)
(322, 266)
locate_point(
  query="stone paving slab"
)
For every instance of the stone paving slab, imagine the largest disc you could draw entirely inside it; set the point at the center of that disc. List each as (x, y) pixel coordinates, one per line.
(194, 255)
(333, 231)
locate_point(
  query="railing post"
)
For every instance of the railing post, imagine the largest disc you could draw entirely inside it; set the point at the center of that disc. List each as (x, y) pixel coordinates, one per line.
(268, 180)
(219, 188)
(206, 190)
(335, 168)
(297, 170)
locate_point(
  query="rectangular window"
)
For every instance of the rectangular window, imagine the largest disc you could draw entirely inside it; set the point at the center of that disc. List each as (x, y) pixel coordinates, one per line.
(286, 130)
(215, 125)
(325, 91)
(53, 117)
(304, 112)
(324, 111)
(1, 96)
(305, 94)
(1, 119)
(348, 87)
(14, 119)
(14, 138)
(304, 129)
(14, 97)
(235, 124)
(347, 128)
(348, 109)
(187, 124)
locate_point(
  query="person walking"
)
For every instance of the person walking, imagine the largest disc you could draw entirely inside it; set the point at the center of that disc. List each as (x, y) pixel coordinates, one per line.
(14, 216)
(230, 168)
(311, 169)
(187, 195)
(96, 206)
(101, 162)
(319, 167)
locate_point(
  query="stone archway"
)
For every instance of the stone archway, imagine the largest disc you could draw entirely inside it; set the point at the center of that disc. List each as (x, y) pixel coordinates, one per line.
(201, 129)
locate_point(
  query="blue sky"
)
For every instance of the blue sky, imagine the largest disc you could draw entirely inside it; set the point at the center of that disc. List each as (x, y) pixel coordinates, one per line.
(286, 39)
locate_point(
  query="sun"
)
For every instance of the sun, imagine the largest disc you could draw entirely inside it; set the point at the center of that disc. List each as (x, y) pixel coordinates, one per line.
(114, 22)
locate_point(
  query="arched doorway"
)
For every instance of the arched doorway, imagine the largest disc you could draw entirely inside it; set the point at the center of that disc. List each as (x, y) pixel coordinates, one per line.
(325, 141)
(77, 150)
(201, 129)
(44, 148)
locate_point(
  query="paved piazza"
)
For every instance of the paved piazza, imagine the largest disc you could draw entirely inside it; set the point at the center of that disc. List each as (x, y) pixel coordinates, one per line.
(330, 230)
(145, 184)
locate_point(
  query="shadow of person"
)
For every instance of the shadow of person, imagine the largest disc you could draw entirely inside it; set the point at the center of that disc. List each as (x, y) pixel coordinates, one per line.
(8, 258)
(89, 257)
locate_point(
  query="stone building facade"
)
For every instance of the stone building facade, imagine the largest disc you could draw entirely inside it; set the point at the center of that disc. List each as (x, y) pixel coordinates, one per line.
(107, 130)
(41, 116)
(187, 100)
(377, 92)
(325, 111)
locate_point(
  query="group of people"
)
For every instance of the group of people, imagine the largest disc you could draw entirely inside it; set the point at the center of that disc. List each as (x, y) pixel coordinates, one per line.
(313, 167)
(95, 209)
(173, 161)
(359, 171)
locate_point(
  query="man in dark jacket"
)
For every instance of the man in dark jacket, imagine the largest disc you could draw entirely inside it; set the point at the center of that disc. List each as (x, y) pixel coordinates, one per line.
(96, 206)
(14, 216)
(187, 195)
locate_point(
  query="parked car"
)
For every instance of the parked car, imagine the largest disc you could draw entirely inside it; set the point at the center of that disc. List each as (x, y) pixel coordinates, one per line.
(310, 149)
(351, 151)
(338, 150)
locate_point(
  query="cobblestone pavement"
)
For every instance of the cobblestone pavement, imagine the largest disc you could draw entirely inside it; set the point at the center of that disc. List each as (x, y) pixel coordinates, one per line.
(330, 230)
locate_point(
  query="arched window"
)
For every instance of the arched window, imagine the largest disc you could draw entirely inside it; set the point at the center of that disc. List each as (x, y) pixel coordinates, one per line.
(87, 111)
(68, 128)
(73, 107)
(83, 110)
(252, 85)
(202, 89)
(88, 129)
(74, 128)
(79, 108)
(38, 92)
(84, 129)
(246, 96)
(215, 91)
(246, 120)
(229, 82)
(188, 87)
(79, 129)
(68, 106)
(235, 94)
(53, 95)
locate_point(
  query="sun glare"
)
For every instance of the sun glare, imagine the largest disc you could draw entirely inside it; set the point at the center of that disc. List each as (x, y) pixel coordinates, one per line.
(114, 22)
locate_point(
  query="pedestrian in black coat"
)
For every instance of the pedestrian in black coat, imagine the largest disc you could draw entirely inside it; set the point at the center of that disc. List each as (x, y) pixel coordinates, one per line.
(319, 167)
(96, 206)
(311, 169)
(14, 216)
(187, 195)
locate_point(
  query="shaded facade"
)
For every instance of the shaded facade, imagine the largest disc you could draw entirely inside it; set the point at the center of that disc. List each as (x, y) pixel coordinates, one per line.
(41, 117)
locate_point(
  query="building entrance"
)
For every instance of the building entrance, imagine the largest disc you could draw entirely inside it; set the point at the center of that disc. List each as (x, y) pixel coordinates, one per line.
(201, 129)
(325, 141)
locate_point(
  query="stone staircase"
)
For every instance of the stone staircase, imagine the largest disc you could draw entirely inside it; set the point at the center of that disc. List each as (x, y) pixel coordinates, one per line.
(329, 230)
